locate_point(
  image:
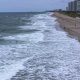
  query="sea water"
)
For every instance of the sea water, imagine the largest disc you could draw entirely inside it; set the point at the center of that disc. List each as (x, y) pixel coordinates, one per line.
(32, 48)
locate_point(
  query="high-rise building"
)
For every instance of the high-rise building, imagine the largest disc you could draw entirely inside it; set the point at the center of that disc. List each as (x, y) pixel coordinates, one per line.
(78, 5)
(74, 6)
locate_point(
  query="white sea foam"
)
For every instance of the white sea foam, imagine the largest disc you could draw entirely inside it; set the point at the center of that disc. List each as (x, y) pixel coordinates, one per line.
(57, 55)
(34, 37)
(26, 27)
(11, 70)
(12, 51)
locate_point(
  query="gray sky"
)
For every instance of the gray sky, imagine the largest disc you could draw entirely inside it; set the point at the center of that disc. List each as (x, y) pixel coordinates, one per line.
(31, 5)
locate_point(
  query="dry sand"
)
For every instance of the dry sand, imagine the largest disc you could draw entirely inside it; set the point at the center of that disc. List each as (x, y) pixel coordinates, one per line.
(69, 24)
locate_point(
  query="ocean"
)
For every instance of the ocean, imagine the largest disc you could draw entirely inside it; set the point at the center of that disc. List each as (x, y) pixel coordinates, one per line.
(33, 47)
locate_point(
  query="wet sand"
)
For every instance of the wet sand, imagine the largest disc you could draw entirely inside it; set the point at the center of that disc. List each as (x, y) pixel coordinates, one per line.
(69, 24)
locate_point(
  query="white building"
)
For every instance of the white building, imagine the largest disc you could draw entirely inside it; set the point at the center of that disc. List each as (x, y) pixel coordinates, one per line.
(74, 6)
(78, 5)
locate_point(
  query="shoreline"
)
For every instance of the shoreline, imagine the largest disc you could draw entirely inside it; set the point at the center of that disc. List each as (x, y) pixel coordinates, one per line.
(69, 24)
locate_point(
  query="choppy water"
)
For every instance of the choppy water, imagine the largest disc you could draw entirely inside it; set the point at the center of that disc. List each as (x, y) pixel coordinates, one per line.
(31, 48)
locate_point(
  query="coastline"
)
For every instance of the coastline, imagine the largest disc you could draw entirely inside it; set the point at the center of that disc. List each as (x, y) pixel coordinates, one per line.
(69, 24)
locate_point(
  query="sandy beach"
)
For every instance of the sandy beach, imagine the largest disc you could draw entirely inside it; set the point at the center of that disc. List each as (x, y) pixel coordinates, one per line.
(69, 24)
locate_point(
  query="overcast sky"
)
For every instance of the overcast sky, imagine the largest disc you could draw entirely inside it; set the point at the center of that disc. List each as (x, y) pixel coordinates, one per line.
(31, 5)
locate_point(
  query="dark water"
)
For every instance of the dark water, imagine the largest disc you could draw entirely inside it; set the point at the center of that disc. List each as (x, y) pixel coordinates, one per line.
(10, 21)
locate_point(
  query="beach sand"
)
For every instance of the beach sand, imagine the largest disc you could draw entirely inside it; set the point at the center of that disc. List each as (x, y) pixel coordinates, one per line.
(69, 24)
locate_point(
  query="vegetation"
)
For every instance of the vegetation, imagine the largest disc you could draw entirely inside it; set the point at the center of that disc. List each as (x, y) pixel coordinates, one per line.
(70, 13)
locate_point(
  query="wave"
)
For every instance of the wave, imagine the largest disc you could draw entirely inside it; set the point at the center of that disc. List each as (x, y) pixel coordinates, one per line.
(45, 54)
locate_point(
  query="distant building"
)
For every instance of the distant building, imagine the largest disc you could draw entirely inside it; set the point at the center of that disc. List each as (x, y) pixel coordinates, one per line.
(73, 6)
(58, 10)
(67, 9)
(78, 5)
